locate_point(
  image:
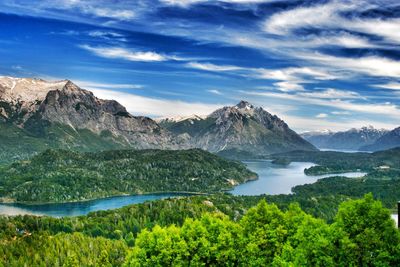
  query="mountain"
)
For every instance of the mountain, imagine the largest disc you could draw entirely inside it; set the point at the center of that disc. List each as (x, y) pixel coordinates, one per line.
(38, 114)
(352, 139)
(389, 140)
(241, 130)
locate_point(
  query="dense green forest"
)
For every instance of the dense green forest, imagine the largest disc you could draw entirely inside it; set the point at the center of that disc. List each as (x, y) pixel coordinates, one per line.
(17, 143)
(205, 230)
(60, 175)
(337, 162)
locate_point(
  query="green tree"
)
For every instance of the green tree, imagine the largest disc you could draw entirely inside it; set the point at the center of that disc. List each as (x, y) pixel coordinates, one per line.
(369, 226)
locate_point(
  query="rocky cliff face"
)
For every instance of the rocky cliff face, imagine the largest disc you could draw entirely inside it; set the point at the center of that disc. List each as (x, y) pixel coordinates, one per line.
(34, 104)
(240, 128)
(390, 139)
(353, 139)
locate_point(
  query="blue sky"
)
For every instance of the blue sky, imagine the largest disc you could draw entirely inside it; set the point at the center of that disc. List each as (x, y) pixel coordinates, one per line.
(316, 64)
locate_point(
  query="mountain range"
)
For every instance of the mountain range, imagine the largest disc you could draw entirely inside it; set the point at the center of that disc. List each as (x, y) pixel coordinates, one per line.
(36, 115)
(390, 139)
(238, 130)
(353, 139)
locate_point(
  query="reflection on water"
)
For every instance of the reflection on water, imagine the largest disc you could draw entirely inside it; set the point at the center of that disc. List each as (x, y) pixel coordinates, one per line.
(276, 179)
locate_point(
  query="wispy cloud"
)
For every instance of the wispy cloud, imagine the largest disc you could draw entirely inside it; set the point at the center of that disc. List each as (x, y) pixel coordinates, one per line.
(90, 85)
(186, 3)
(390, 86)
(213, 67)
(291, 79)
(156, 107)
(340, 113)
(214, 91)
(387, 109)
(288, 79)
(123, 53)
(93, 8)
(371, 65)
(332, 93)
(322, 115)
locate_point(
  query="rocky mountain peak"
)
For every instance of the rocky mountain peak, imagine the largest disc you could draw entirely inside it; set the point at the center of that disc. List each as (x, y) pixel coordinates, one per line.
(244, 105)
(27, 90)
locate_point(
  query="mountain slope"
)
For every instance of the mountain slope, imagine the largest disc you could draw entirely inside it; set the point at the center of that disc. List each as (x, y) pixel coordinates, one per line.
(62, 115)
(241, 129)
(389, 140)
(352, 139)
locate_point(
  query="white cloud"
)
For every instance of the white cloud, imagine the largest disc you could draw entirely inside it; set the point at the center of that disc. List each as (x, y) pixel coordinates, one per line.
(332, 93)
(212, 67)
(215, 92)
(186, 3)
(155, 107)
(109, 13)
(123, 53)
(340, 113)
(321, 115)
(327, 16)
(292, 78)
(94, 8)
(371, 65)
(107, 35)
(288, 86)
(388, 109)
(324, 15)
(94, 85)
(293, 74)
(391, 86)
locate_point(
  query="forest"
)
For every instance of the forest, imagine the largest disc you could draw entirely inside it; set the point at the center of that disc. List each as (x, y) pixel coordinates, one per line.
(62, 176)
(203, 233)
(338, 162)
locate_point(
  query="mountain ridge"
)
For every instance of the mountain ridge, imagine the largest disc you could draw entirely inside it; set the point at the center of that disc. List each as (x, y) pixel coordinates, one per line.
(242, 127)
(389, 140)
(352, 139)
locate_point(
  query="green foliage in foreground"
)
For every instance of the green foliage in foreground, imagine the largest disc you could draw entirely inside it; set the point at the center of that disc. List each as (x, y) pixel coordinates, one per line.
(362, 235)
(62, 250)
(196, 231)
(60, 176)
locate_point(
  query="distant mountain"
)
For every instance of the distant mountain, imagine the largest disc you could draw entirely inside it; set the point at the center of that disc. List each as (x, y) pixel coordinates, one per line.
(353, 139)
(37, 114)
(238, 130)
(389, 140)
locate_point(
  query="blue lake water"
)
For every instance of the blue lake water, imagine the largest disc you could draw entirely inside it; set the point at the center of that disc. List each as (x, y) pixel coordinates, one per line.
(276, 179)
(273, 179)
(80, 208)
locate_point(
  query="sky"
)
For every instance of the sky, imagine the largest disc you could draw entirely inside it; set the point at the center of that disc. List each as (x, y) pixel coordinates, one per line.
(316, 64)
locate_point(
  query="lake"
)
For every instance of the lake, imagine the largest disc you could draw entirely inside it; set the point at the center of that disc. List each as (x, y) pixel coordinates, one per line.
(273, 179)
(276, 179)
(80, 208)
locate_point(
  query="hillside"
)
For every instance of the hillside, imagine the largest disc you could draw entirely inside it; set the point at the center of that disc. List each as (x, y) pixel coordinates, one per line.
(61, 176)
(238, 130)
